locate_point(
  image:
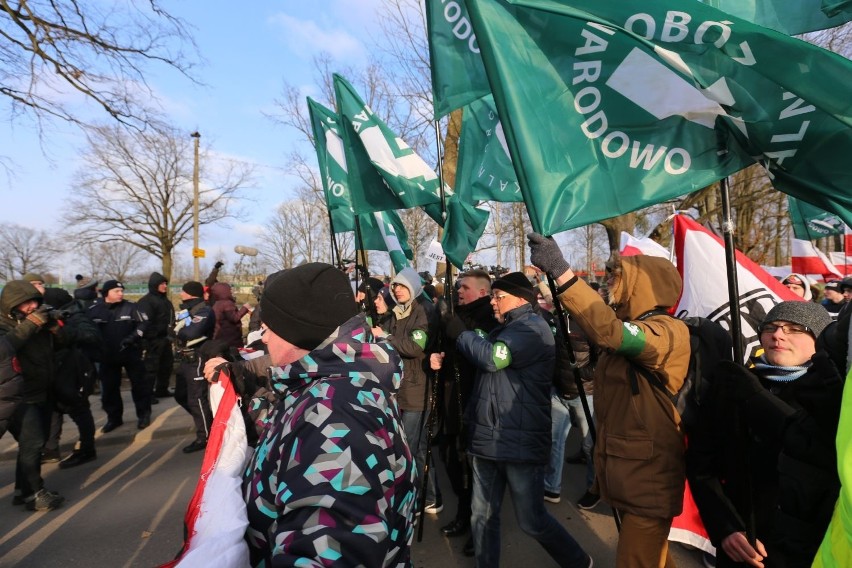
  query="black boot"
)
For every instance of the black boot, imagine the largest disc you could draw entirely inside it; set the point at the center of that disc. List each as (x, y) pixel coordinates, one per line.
(78, 457)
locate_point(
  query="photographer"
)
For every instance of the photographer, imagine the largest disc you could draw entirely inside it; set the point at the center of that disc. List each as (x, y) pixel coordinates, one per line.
(25, 324)
(122, 326)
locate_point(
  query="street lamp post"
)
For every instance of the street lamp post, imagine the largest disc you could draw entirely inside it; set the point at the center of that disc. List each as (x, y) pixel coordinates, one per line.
(195, 270)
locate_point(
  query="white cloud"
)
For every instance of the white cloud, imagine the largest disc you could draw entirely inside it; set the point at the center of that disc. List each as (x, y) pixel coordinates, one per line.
(307, 38)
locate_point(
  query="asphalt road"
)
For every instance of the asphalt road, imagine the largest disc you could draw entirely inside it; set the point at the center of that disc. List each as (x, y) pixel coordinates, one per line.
(126, 508)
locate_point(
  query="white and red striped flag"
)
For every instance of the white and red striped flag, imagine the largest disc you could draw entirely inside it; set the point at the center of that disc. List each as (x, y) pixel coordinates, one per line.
(216, 520)
(701, 263)
(631, 246)
(810, 261)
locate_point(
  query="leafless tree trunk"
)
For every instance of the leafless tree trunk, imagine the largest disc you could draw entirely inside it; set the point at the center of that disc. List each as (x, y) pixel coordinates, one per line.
(136, 188)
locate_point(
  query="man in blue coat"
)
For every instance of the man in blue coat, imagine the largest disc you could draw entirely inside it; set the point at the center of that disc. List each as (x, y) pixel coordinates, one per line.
(509, 424)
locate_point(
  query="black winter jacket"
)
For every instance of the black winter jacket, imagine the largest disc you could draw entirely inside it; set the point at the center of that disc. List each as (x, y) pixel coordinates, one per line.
(33, 344)
(158, 308)
(122, 326)
(509, 409)
(792, 457)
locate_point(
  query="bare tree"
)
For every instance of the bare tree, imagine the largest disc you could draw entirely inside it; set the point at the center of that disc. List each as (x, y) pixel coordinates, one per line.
(115, 259)
(136, 188)
(23, 250)
(101, 51)
(298, 232)
(421, 230)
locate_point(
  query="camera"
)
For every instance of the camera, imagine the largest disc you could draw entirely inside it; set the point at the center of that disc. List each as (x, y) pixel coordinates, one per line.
(57, 314)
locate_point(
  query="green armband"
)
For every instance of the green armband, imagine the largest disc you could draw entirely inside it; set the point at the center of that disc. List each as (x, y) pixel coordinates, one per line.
(481, 333)
(420, 337)
(632, 340)
(501, 355)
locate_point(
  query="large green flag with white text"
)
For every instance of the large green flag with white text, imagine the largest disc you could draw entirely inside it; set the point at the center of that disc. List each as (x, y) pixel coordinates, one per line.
(613, 106)
(411, 181)
(332, 166)
(791, 17)
(810, 223)
(458, 77)
(381, 231)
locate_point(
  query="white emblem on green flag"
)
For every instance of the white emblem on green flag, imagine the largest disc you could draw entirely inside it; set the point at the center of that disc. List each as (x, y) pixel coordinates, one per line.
(613, 106)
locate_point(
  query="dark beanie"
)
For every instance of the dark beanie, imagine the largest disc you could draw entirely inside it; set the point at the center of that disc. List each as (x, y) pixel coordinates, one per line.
(305, 304)
(811, 315)
(57, 297)
(374, 283)
(109, 285)
(516, 284)
(194, 289)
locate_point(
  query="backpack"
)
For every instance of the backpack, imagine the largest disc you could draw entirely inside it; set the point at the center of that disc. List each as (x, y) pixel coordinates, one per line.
(709, 343)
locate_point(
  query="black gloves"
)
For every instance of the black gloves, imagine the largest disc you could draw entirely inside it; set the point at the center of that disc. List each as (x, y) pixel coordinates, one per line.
(131, 340)
(739, 383)
(545, 254)
(219, 264)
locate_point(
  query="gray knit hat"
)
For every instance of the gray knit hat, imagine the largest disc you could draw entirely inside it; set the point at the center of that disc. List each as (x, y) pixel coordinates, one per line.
(811, 315)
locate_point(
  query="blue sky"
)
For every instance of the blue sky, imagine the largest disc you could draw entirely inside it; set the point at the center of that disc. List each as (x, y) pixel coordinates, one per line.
(249, 50)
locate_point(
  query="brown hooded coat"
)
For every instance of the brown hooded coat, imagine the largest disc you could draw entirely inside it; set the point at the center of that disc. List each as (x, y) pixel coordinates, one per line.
(639, 454)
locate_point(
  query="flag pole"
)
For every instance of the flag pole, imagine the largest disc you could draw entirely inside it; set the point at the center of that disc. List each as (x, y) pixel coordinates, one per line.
(736, 338)
(370, 306)
(448, 276)
(731, 265)
(335, 249)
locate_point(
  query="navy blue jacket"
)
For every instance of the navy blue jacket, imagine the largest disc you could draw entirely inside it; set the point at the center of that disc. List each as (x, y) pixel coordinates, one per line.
(509, 410)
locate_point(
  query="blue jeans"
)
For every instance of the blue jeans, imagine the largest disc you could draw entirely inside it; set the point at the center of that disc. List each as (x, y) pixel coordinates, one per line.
(562, 413)
(415, 433)
(526, 486)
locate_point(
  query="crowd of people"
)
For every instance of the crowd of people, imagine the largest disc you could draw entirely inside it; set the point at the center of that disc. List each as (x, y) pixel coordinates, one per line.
(56, 350)
(351, 387)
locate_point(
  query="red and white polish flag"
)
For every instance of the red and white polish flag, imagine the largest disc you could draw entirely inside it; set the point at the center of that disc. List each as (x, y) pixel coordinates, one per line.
(216, 518)
(631, 246)
(808, 260)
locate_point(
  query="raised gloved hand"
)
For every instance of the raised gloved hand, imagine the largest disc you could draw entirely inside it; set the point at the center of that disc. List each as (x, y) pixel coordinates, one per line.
(739, 383)
(40, 316)
(545, 254)
(219, 264)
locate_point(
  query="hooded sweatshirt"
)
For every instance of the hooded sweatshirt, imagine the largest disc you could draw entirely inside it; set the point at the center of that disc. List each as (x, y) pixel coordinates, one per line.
(332, 470)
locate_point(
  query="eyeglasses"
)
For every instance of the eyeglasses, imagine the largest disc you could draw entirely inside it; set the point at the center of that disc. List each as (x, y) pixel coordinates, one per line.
(787, 328)
(498, 297)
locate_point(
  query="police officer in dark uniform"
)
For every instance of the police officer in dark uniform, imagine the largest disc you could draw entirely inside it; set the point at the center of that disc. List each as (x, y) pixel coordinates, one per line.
(122, 326)
(159, 359)
(194, 326)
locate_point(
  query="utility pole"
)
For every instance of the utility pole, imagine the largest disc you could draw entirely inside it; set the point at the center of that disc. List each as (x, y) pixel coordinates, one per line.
(195, 253)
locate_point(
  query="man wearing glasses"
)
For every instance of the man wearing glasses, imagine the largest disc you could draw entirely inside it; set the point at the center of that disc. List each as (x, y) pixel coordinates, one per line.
(509, 424)
(789, 401)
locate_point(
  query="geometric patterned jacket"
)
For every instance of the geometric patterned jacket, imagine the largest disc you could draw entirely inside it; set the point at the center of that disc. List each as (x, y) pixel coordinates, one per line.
(331, 481)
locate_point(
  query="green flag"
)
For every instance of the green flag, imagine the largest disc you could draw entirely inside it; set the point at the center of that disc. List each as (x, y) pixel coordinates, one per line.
(332, 166)
(484, 171)
(458, 77)
(384, 230)
(462, 230)
(811, 223)
(613, 106)
(835, 7)
(409, 178)
(791, 17)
